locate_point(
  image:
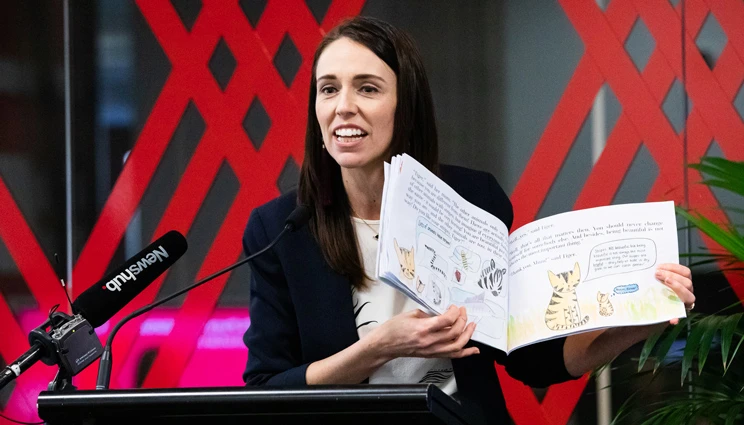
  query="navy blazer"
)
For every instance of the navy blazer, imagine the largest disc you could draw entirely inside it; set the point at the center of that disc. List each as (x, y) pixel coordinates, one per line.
(301, 310)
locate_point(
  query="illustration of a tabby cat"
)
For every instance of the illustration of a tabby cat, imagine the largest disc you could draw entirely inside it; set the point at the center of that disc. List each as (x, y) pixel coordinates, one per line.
(605, 306)
(405, 259)
(563, 311)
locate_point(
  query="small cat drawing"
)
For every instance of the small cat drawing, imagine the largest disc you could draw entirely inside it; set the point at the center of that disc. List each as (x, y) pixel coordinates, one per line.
(436, 293)
(563, 311)
(405, 258)
(605, 307)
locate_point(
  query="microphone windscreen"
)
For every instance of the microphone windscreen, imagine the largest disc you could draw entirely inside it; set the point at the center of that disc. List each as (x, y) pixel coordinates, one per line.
(104, 299)
(299, 217)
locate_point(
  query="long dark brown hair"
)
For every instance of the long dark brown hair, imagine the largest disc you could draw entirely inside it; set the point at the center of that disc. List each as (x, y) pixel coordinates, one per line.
(414, 133)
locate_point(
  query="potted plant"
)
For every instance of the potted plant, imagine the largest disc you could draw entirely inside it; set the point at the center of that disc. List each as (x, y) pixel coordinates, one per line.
(711, 389)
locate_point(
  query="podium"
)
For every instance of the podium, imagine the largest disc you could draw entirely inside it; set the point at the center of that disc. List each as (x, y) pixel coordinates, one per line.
(354, 404)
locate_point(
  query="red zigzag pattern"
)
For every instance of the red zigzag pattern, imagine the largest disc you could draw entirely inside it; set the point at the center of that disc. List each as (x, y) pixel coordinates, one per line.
(642, 121)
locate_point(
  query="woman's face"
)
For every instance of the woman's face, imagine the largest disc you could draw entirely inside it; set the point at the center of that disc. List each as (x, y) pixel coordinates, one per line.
(355, 105)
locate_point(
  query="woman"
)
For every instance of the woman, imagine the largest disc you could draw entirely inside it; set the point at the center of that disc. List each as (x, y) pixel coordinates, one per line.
(318, 315)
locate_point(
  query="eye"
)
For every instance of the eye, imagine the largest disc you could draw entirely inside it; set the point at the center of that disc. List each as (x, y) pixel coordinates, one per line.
(328, 90)
(369, 89)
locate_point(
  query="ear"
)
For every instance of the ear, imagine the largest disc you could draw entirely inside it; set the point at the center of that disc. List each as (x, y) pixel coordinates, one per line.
(399, 254)
(554, 281)
(412, 252)
(576, 270)
(599, 296)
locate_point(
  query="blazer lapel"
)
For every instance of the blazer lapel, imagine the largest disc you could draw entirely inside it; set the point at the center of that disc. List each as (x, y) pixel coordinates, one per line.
(322, 298)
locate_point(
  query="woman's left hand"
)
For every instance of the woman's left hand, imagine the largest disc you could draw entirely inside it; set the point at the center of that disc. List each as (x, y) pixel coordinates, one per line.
(586, 351)
(679, 279)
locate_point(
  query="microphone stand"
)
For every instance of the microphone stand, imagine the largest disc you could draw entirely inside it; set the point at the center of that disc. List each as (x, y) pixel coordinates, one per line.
(104, 367)
(50, 343)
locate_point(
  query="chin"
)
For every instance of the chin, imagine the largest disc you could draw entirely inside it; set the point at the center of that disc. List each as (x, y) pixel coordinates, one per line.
(351, 161)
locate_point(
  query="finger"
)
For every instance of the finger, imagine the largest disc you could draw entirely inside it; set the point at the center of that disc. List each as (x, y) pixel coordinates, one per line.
(416, 314)
(464, 313)
(464, 353)
(682, 292)
(676, 268)
(674, 321)
(445, 320)
(684, 281)
(460, 342)
(445, 348)
(451, 333)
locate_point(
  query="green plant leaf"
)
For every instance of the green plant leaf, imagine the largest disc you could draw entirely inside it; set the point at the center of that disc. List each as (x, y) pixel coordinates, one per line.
(736, 350)
(691, 348)
(733, 414)
(722, 169)
(648, 347)
(663, 348)
(728, 326)
(735, 187)
(710, 327)
(728, 239)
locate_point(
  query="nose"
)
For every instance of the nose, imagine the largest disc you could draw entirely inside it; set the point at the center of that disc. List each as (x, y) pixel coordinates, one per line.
(346, 105)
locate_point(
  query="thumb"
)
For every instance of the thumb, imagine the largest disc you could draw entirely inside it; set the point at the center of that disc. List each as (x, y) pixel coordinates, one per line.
(419, 314)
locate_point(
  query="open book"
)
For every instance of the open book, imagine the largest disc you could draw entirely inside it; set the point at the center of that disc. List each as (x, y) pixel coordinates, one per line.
(565, 274)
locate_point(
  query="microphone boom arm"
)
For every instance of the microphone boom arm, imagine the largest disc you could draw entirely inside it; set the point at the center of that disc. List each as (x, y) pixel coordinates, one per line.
(104, 367)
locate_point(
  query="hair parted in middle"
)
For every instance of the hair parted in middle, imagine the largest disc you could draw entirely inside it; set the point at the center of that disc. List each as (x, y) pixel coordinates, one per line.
(414, 133)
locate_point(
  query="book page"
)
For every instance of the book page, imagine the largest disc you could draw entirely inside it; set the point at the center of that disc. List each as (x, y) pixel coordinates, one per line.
(591, 269)
(441, 250)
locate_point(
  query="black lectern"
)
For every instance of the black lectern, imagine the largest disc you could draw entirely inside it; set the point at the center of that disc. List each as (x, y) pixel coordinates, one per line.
(347, 405)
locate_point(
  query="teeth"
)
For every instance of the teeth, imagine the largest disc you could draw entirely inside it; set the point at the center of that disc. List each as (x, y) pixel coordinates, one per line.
(349, 132)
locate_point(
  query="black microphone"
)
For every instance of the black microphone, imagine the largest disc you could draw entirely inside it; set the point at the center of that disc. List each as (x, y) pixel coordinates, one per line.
(298, 218)
(67, 341)
(101, 301)
(295, 221)
(71, 341)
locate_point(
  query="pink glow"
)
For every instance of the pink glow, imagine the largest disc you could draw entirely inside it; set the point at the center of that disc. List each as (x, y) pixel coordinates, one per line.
(218, 360)
(220, 343)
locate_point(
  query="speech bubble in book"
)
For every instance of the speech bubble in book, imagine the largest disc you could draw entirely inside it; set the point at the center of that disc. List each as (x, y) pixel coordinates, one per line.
(424, 227)
(429, 253)
(621, 256)
(626, 289)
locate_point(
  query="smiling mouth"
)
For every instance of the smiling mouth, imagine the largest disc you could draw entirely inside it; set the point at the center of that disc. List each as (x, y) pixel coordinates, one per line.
(347, 135)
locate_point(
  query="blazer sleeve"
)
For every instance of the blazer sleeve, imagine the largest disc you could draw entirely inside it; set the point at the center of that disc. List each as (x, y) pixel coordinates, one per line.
(274, 353)
(537, 365)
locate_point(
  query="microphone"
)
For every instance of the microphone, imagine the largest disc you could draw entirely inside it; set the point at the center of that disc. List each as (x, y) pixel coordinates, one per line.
(70, 341)
(101, 301)
(295, 221)
(67, 341)
(298, 218)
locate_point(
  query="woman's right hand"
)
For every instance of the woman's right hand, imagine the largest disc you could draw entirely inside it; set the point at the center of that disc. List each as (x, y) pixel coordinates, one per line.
(417, 334)
(410, 334)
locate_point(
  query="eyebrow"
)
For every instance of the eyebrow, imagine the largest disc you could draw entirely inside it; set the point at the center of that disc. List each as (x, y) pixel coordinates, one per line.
(356, 77)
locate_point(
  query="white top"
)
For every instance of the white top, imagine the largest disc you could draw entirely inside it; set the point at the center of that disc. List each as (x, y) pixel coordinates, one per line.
(379, 302)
